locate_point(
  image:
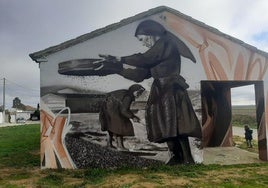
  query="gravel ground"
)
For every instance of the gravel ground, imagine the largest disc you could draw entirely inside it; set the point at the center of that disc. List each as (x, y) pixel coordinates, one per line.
(87, 154)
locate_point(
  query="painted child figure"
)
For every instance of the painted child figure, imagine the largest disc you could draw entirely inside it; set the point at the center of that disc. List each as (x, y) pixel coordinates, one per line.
(115, 114)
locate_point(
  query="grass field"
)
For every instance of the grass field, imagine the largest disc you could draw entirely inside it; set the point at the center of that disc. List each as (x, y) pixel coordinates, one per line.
(242, 115)
(244, 109)
(19, 167)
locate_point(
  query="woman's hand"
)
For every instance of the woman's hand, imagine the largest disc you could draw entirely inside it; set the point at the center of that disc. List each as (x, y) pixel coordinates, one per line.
(112, 58)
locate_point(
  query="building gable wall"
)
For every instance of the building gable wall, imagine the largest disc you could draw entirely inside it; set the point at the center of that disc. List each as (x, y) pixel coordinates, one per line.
(218, 58)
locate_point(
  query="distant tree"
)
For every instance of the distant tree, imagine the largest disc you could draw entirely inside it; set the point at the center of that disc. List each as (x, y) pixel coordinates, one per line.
(17, 104)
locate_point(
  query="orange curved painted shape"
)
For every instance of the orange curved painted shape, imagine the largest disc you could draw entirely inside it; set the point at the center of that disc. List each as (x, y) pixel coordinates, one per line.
(217, 40)
(207, 128)
(216, 67)
(254, 67)
(237, 56)
(52, 148)
(239, 73)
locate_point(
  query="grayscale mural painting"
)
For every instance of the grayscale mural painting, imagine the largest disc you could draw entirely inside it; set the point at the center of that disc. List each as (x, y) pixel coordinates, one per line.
(131, 94)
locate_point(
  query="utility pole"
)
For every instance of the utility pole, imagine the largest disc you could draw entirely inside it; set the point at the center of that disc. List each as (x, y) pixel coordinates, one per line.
(4, 100)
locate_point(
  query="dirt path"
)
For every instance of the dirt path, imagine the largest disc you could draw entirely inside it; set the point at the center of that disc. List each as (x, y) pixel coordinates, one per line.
(229, 155)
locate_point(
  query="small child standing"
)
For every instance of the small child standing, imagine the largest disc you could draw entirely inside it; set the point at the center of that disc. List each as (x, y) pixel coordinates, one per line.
(248, 135)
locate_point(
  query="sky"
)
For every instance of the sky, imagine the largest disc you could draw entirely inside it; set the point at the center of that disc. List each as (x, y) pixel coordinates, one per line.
(27, 26)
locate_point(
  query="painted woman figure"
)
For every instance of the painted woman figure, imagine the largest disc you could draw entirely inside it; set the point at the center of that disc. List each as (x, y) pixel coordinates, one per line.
(169, 115)
(115, 114)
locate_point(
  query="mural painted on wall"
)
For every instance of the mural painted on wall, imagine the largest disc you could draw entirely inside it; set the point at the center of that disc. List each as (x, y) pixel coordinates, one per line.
(155, 117)
(169, 115)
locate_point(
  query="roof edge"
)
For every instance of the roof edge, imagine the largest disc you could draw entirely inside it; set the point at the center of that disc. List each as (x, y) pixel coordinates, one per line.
(53, 49)
(95, 33)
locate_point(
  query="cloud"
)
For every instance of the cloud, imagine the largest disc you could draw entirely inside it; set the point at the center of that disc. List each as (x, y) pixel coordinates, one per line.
(244, 95)
(31, 25)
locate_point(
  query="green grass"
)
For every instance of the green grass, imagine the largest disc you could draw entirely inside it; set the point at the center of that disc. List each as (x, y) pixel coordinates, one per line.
(52, 179)
(19, 154)
(240, 120)
(242, 115)
(244, 109)
(241, 143)
(19, 146)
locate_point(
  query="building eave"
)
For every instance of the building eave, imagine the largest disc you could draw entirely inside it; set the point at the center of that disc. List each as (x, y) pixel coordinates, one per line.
(40, 56)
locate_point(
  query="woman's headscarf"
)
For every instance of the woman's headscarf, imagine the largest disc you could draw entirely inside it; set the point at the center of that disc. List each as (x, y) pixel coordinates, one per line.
(153, 28)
